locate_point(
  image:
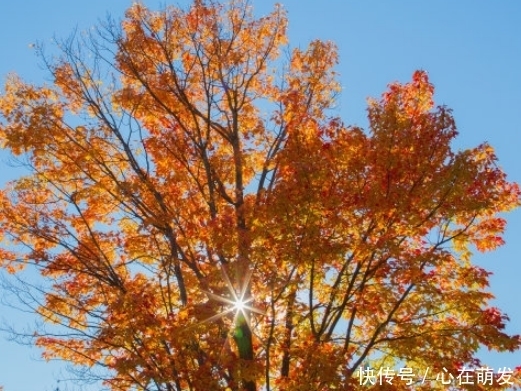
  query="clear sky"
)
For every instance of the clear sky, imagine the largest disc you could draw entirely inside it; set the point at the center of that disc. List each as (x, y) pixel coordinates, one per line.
(471, 49)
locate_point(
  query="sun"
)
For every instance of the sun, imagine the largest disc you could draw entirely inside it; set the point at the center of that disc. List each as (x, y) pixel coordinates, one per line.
(239, 305)
(236, 302)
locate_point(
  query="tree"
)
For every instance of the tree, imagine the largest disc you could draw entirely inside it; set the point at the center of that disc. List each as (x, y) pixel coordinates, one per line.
(201, 221)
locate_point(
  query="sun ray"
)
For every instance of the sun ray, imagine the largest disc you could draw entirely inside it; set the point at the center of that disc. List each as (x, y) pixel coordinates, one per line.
(237, 303)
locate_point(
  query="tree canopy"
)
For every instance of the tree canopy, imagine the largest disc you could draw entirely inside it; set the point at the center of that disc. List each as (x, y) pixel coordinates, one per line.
(202, 221)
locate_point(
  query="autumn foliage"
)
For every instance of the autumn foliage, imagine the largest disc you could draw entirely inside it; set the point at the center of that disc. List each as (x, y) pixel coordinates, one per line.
(181, 161)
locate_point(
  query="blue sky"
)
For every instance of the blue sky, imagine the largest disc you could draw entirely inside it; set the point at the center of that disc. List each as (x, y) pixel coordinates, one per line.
(471, 49)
